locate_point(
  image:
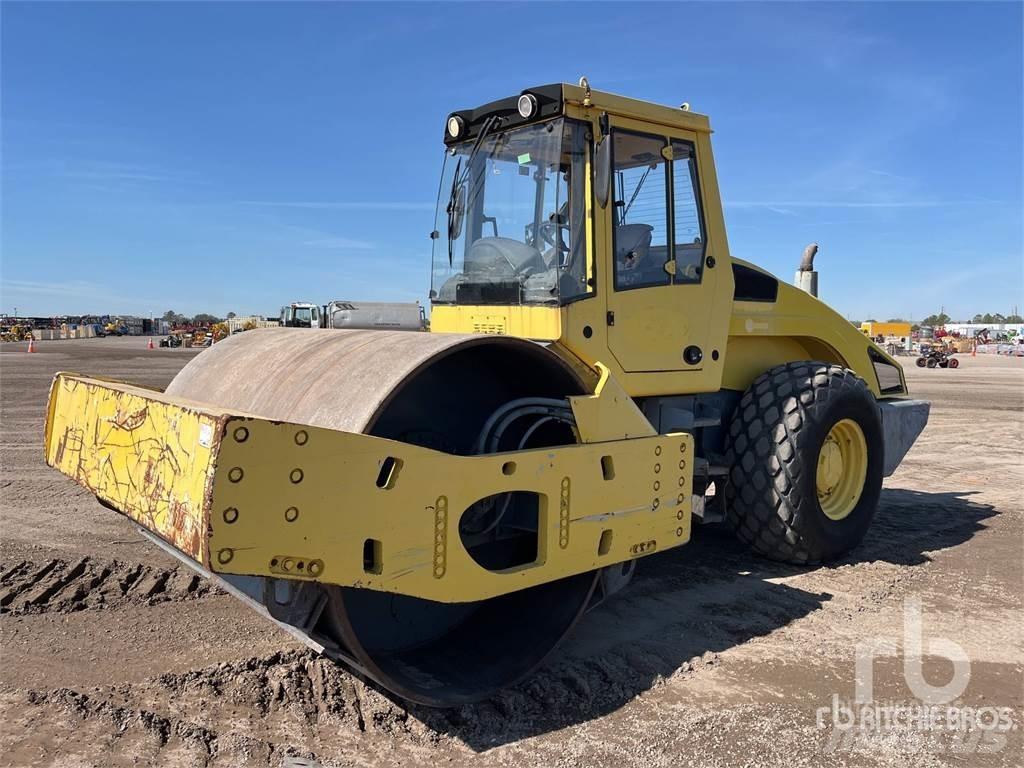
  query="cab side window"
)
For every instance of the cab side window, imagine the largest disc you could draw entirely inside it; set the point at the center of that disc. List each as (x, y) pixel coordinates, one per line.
(640, 210)
(687, 217)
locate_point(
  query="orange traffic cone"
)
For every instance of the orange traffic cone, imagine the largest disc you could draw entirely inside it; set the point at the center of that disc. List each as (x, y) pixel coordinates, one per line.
(31, 344)
(150, 344)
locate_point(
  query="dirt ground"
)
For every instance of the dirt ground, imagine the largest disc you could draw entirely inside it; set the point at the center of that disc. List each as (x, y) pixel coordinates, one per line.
(113, 654)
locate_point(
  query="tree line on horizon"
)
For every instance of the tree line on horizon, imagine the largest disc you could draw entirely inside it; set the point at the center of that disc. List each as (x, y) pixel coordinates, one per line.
(203, 318)
(941, 318)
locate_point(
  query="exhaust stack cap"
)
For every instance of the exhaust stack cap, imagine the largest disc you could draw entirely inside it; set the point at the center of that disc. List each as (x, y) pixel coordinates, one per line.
(806, 278)
(807, 261)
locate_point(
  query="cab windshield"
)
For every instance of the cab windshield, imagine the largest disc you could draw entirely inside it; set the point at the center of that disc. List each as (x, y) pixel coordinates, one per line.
(511, 218)
(298, 317)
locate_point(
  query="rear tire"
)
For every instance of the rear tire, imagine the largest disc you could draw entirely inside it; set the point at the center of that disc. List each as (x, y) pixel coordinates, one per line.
(775, 447)
(931, 363)
(921, 362)
(954, 363)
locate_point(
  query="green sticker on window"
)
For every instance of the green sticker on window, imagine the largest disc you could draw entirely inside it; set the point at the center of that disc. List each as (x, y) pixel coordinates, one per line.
(524, 159)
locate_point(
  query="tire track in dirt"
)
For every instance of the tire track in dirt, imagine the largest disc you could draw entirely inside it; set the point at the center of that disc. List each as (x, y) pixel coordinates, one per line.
(248, 712)
(63, 586)
(128, 734)
(256, 709)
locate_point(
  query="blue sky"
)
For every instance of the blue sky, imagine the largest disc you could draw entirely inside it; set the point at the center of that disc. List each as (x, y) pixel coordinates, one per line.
(209, 158)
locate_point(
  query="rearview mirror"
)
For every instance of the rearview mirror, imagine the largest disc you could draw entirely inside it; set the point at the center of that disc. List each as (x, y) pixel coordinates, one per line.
(602, 170)
(457, 214)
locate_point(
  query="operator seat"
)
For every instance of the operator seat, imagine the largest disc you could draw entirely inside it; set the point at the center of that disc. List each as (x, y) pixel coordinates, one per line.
(632, 245)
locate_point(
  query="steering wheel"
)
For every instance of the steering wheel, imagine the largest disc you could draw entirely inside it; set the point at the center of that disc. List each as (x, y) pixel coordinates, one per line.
(551, 234)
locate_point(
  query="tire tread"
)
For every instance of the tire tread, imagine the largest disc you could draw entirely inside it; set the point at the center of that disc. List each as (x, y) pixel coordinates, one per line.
(764, 498)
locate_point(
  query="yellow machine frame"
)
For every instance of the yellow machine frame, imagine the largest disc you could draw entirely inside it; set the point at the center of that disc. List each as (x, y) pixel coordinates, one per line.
(244, 495)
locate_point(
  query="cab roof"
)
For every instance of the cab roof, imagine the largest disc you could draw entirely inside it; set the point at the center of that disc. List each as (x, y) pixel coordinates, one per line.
(551, 102)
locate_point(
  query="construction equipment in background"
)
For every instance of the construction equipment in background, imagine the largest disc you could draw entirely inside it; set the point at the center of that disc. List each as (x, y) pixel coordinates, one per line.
(438, 509)
(895, 337)
(355, 315)
(15, 332)
(177, 338)
(202, 337)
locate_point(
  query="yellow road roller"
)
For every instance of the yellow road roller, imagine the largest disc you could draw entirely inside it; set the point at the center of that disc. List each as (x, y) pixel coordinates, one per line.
(436, 510)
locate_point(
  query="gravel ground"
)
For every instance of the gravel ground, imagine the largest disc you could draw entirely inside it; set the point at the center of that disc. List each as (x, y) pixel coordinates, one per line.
(113, 654)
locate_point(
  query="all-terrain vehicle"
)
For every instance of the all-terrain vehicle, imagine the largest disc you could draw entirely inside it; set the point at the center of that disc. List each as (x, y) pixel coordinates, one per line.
(932, 356)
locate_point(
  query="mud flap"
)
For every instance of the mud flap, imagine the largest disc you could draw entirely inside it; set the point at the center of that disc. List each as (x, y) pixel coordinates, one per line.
(903, 421)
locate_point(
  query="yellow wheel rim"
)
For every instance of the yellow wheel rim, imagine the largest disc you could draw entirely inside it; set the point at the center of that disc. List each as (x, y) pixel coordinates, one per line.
(842, 468)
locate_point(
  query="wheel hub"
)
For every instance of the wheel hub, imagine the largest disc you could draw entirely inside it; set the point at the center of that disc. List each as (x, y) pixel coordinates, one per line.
(842, 469)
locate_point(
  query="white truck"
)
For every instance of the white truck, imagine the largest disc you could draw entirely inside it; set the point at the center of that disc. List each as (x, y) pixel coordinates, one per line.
(396, 316)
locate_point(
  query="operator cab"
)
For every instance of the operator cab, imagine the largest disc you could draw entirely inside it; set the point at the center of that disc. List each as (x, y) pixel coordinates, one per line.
(590, 219)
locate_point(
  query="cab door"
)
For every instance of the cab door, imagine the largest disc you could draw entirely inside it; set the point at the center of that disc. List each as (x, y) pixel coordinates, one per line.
(659, 306)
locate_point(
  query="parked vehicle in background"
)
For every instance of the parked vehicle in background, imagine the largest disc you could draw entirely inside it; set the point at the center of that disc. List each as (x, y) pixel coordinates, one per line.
(936, 356)
(397, 316)
(394, 316)
(885, 331)
(301, 314)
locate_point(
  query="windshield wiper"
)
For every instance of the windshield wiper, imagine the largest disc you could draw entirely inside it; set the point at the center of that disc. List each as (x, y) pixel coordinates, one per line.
(452, 202)
(636, 192)
(458, 181)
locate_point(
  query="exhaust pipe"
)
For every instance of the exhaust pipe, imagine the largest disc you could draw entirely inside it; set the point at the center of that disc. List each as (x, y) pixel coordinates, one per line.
(806, 278)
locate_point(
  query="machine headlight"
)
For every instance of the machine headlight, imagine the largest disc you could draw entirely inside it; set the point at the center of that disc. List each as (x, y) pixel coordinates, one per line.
(527, 105)
(455, 126)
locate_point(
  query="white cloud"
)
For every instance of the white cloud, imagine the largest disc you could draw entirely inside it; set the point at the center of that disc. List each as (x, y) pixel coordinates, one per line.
(340, 243)
(118, 172)
(85, 293)
(381, 205)
(783, 204)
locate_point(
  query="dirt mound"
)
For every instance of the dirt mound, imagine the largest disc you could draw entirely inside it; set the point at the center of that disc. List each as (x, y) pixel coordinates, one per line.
(297, 686)
(62, 586)
(306, 690)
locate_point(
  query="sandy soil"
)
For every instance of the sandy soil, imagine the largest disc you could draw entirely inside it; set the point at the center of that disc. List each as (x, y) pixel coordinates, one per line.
(113, 654)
